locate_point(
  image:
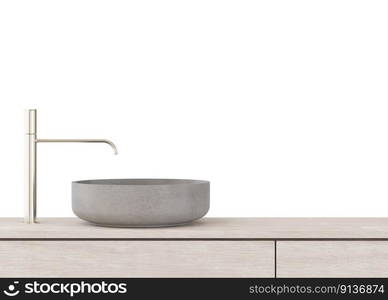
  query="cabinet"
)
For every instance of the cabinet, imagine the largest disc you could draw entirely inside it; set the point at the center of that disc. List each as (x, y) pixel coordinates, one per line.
(212, 247)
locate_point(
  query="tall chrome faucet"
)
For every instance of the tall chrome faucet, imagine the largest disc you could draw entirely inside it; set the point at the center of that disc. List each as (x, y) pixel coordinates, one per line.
(31, 166)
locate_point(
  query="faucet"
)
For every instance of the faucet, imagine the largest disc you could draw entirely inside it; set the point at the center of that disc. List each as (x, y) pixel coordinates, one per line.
(31, 166)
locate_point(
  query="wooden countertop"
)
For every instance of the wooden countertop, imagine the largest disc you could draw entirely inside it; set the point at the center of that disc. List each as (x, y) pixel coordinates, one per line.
(207, 228)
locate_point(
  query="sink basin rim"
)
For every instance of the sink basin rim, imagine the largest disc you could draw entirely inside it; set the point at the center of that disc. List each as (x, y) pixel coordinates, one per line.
(141, 181)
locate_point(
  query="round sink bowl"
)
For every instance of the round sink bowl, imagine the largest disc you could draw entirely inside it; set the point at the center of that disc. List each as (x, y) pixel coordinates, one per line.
(140, 202)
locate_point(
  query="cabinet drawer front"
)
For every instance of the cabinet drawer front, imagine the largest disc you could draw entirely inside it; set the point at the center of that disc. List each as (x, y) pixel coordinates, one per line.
(332, 259)
(136, 259)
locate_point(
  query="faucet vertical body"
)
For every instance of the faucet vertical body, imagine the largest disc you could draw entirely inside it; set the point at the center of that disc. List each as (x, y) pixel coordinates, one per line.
(30, 145)
(31, 142)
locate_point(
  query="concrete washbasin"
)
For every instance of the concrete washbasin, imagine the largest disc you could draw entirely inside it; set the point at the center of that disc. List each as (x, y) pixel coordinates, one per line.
(140, 202)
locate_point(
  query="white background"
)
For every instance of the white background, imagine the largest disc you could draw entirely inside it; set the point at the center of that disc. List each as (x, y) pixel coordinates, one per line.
(282, 105)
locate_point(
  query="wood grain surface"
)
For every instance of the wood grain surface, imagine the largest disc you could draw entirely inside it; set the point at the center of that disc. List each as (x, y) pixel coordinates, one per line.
(207, 228)
(136, 259)
(332, 259)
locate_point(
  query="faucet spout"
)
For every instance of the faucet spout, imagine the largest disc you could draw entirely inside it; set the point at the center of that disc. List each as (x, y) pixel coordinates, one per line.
(110, 143)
